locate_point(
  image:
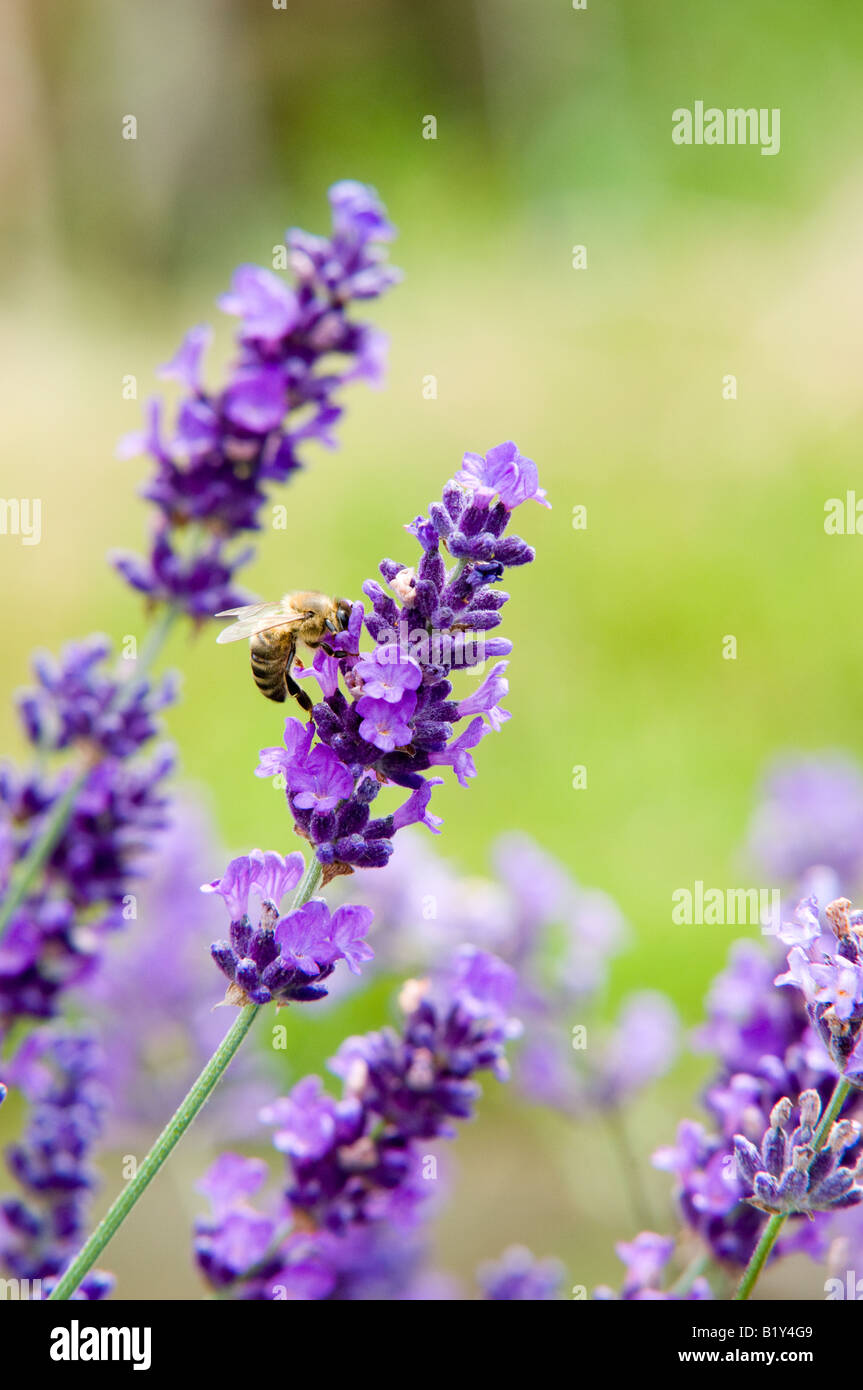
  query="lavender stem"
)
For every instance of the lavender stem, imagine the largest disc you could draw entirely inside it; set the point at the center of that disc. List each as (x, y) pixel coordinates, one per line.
(176, 1127)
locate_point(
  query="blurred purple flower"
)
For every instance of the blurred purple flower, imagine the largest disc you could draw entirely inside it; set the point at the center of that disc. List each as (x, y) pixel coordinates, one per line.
(810, 813)
(646, 1258)
(59, 1073)
(54, 937)
(518, 1276)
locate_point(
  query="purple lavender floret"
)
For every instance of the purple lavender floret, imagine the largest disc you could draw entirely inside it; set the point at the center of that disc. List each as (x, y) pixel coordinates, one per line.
(213, 467)
(43, 952)
(786, 1174)
(518, 1276)
(237, 1237)
(399, 719)
(342, 1164)
(59, 1072)
(646, 1259)
(284, 958)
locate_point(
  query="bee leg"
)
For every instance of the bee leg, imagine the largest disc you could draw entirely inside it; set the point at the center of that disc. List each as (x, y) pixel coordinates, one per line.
(298, 694)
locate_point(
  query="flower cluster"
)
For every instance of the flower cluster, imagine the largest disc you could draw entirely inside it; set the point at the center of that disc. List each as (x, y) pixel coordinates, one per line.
(116, 803)
(59, 1074)
(287, 957)
(226, 446)
(354, 1164)
(396, 719)
(787, 1174)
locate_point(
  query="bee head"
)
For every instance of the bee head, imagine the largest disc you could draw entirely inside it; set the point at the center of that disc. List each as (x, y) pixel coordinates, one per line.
(341, 615)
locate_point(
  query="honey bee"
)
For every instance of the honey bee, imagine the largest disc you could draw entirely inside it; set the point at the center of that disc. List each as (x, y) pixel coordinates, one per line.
(274, 629)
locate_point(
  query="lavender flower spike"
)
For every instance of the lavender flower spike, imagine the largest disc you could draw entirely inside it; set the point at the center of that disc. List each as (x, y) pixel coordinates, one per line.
(287, 958)
(396, 719)
(297, 346)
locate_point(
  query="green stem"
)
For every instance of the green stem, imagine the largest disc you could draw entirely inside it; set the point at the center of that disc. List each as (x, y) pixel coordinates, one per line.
(308, 883)
(42, 848)
(167, 1140)
(771, 1231)
(176, 1126)
(153, 643)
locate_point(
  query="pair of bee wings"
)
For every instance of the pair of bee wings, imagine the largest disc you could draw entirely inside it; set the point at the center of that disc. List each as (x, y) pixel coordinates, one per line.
(258, 617)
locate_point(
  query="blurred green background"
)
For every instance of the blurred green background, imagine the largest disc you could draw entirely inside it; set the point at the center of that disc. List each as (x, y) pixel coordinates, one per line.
(705, 515)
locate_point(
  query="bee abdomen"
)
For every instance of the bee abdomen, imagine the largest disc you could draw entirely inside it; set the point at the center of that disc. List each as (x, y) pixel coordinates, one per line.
(269, 665)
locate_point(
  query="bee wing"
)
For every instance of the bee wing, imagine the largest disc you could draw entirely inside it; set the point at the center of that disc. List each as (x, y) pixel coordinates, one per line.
(255, 618)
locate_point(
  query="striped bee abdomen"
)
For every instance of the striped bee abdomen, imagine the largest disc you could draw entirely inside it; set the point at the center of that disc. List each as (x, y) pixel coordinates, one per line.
(270, 654)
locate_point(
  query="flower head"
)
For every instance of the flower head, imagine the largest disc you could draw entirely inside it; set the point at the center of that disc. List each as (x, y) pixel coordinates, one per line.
(788, 1174)
(286, 958)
